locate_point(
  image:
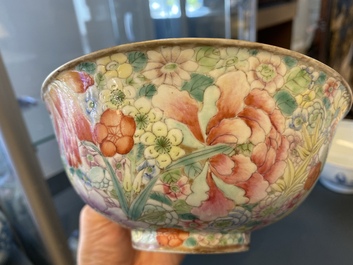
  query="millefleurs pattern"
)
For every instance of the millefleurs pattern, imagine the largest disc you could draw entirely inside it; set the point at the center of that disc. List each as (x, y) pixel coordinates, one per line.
(195, 138)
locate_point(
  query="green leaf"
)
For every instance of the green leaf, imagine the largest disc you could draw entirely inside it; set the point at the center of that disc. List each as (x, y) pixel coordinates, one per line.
(197, 86)
(298, 81)
(80, 174)
(99, 79)
(290, 61)
(207, 57)
(160, 197)
(253, 52)
(72, 170)
(193, 170)
(181, 207)
(147, 91)
(155, 215)
(187, 216)
(87, 67)
(138, 60)
(245, 149)
(140, 151)
(171, 176)
(139, 203)
(190, 242)
(322, 78)
(114, 195)
(326, 102)
(286, 102)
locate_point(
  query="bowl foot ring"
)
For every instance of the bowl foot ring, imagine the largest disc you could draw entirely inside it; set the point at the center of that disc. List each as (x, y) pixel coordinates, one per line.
(179, 241)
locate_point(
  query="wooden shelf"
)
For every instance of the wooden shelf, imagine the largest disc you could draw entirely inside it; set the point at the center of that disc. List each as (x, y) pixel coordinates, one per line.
(276, 14)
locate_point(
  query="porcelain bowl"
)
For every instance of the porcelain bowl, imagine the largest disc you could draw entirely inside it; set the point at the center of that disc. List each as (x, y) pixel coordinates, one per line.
(337, 174)
(194, 143)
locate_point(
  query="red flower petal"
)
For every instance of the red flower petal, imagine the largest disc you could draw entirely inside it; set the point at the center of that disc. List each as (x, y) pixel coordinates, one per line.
(275, 171)
(234, 88)
(270, 159)
(240, 170)
(124, 145)
(71, 124)
(255, 188)
(278, 120)
(179, 106)
(258, 121)
(100, 132)
(260, 99)
(77, 81)
(111, 117)
(108, 148)
(217, 205)
(258, 155)
(229, 131)
(313, 176)
(222, 164)
(128, 126)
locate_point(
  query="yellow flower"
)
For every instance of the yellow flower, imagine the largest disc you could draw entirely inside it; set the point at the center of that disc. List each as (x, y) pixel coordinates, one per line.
(306, 100)
(162, 144)
(144, 116)
(115, 65)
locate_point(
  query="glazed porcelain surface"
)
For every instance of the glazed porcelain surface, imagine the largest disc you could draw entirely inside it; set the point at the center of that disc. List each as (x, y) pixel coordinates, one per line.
(194, 143)
(337, 174)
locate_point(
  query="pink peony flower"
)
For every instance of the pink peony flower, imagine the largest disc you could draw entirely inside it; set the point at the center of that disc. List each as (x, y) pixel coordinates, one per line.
(245, 116)
(70, 122)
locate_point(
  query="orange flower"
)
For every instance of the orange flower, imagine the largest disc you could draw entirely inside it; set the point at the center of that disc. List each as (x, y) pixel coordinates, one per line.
(115, 133)
(171, 237)
(313, 176)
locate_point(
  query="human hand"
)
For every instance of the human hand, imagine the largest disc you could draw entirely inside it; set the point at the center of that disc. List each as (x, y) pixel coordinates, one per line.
(103, 241)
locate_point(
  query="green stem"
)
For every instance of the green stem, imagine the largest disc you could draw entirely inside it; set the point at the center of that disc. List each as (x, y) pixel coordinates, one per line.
(200, 155)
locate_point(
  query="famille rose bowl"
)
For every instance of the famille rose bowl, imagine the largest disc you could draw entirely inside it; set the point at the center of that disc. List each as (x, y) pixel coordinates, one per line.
(194, 143)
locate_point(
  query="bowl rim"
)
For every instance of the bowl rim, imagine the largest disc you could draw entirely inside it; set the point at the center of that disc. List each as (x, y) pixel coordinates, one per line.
(150, 44)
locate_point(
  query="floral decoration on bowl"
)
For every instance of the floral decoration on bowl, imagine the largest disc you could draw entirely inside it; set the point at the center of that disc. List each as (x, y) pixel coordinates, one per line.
(194, 143)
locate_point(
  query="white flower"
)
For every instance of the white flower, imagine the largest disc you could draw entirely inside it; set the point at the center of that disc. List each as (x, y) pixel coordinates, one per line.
(170, 65)
(266, 71)
(231, 59)
(115, 94)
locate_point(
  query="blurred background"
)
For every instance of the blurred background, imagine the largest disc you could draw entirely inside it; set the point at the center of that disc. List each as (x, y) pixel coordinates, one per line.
(37, 36)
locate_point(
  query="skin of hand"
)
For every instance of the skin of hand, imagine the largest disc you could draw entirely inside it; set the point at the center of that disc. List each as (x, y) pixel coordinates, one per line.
(103, 241)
